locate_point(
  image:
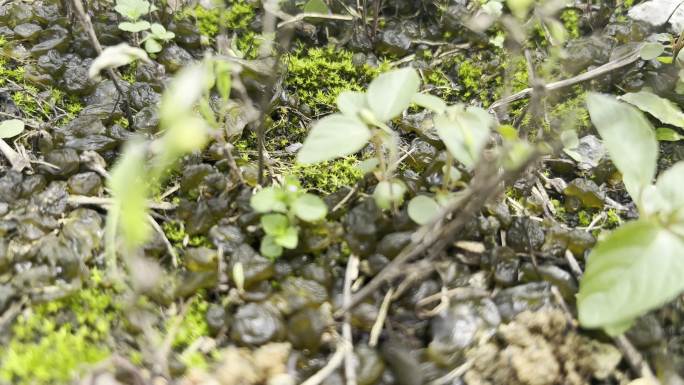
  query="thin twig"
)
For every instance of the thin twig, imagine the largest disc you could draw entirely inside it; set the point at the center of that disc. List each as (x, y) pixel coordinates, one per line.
(625, 60)
(17, 161)
(333, 363)
(376, 330)
(77, 200)
(351, 273)
(313, 15)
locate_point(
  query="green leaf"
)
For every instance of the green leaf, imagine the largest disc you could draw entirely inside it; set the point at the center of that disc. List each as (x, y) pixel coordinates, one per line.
(430, 102)
(651, 51)
(333, 137)
(309, 208)
(152, 46)
(629, 140)
(10, 128)
(267, 200)
(351, 103)
(669, 187)
(519, 8)
(666, 134)
(223, 78)
(288, 239)
(116, 56)
(159, 32)
(138, 26)
(274, 224)
(269, 248)
(661, 108)
(639, 267)
(391, 93)
(316, 6)
(133, 9)
(464, 132)
(423, 209)
(388, 193)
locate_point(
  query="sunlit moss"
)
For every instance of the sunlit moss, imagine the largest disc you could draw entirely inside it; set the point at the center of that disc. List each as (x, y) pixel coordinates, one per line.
(328, 176)
(52, 342)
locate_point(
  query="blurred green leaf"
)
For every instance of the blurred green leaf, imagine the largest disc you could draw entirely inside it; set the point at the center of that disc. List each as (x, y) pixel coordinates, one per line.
(10, 128)
(392, 92)
(332, 137)
(661, 108)
(309, 208)
(423, 209)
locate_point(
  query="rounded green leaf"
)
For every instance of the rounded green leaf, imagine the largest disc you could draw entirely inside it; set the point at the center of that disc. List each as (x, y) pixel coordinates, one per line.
(667, 134)
(332, 137)
(423, 209)
(430, 102)
(274, 224)
(661, 108)
(152, 46)
(10, 128)
(316, 6)
(269, 248)
(391, 93)
(628, 138)
(138, 26)
(267, 200)
(639, 267)
(388, 193)
(351, 103)
(309, 208)
(651, 51)
(288, 239)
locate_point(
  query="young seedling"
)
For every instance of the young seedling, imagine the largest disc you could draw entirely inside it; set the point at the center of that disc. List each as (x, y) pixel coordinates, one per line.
(364, 117)
(282, 208)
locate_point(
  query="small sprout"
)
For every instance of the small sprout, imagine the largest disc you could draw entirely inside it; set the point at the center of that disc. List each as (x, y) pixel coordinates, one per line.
(239, 276)
(134, 9)
(389, 193)
(282, 207)
(423, 209)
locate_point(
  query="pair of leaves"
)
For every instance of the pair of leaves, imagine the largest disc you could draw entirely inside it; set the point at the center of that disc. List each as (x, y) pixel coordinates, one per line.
(639, 266)
(157, 33)
(279, 234)
(346, 133)
(10, 128)
(134, 9)
(389, 193)
(307, 207)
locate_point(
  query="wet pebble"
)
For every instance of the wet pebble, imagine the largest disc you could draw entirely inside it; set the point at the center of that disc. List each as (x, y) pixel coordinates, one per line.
(256, 324)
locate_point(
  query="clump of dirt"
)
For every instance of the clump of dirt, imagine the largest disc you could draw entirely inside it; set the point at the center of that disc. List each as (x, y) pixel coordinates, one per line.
(241, 366)
(541, 348)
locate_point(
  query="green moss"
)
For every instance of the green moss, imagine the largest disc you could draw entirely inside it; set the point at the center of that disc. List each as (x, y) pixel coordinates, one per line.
(328, 176)
(51, 342)
(176, 234)
(570, 114)
(561, 214)
(584, 218)
(28, 101)
(613, 219)
(192, 327)
(235, 19)
(317, 75)
(571, 21)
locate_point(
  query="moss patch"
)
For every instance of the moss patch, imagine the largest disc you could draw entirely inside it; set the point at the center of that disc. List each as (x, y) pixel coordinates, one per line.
(51, 342)
(328, 177)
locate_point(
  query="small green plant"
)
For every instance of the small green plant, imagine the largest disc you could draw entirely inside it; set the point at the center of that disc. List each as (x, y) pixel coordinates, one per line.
(144, 166)
(363, 119)
(282, 208)
(133, 11)
(638, 267)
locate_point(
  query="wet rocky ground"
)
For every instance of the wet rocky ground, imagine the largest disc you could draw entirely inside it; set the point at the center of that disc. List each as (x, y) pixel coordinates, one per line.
(495, 307)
